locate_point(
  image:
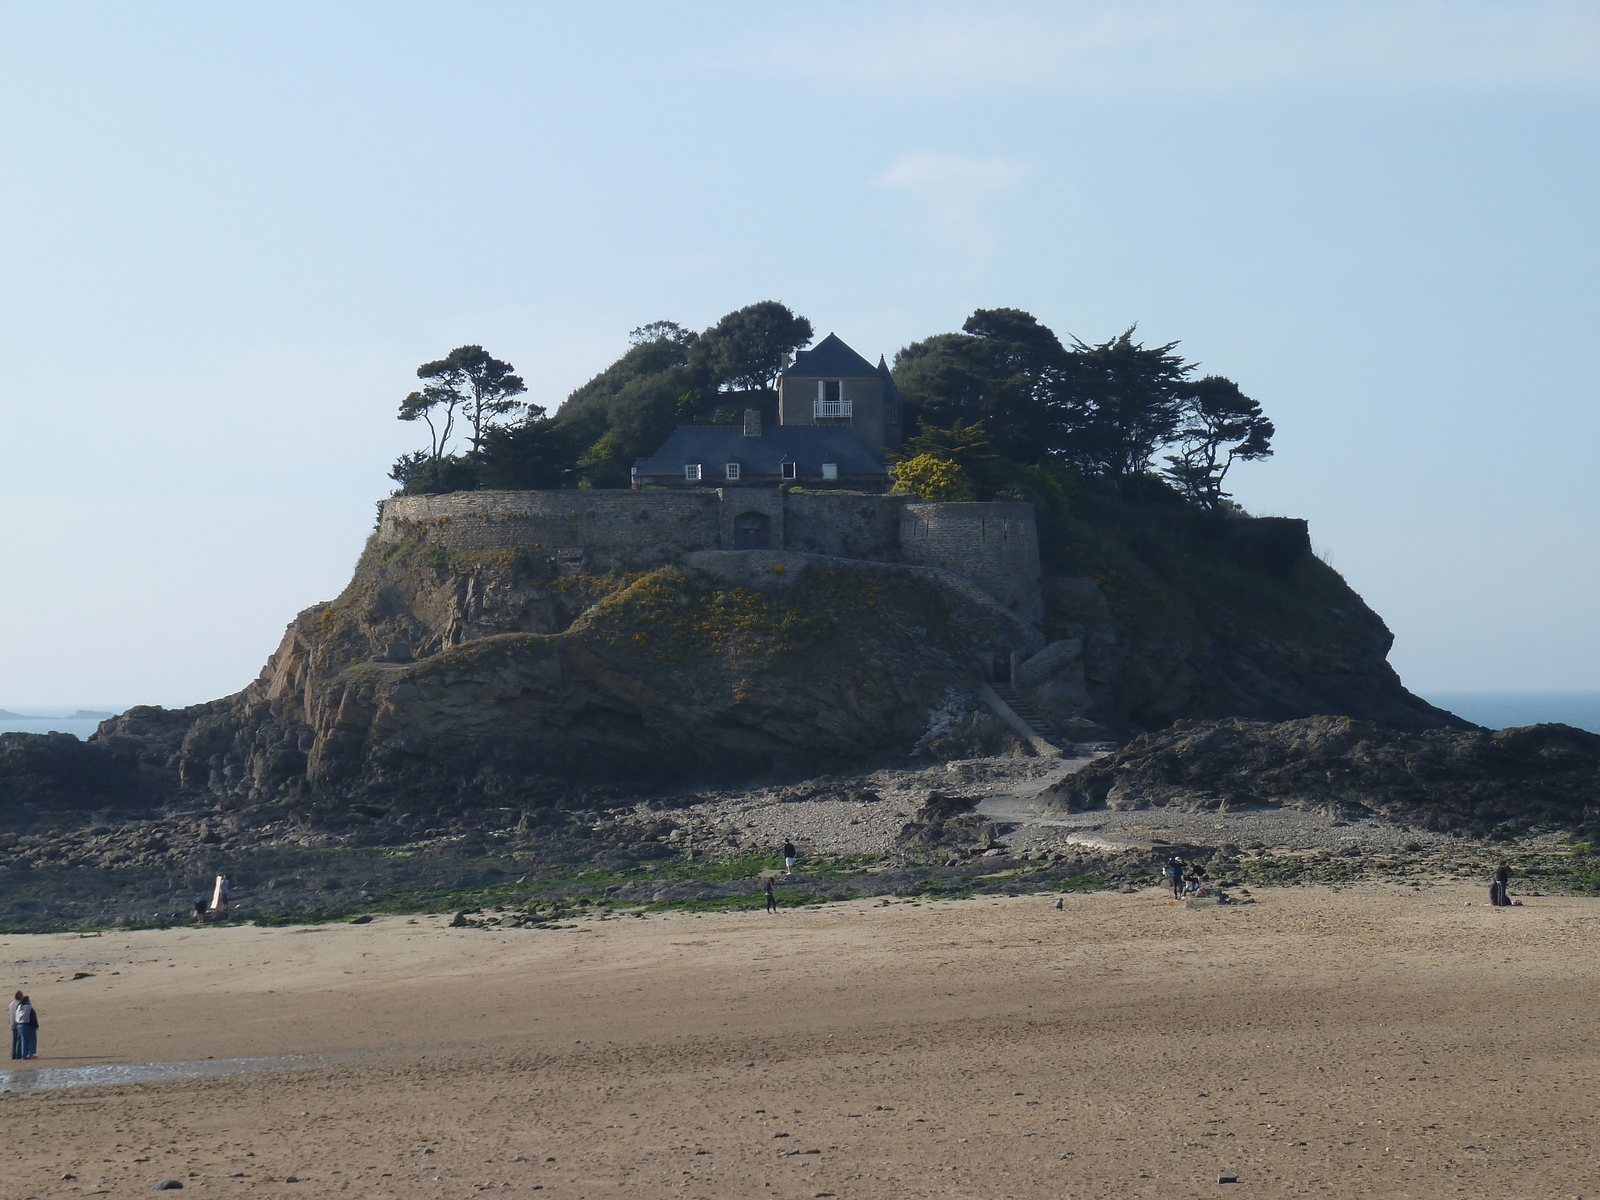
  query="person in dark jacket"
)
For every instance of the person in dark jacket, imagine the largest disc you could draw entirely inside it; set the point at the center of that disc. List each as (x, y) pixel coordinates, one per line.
(772, 901)
(1498, 895)
(788, 858)
(1174, 873)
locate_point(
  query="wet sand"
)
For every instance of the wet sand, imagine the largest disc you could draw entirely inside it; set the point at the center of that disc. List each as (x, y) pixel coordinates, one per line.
(1370, 1041)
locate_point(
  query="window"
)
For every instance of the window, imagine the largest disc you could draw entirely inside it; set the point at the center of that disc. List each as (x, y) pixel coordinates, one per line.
(891, 413)
(830, 470)
(831, 404)
(786, 470)
(732, 470)
(691, 472)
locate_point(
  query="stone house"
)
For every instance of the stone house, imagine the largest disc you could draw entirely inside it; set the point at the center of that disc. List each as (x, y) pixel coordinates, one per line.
(717, 456)
(837, 415)
(832, 385)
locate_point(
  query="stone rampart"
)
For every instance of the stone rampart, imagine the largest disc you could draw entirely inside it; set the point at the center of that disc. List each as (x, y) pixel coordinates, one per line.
(994, 545)
(599, 530)
(844, 524)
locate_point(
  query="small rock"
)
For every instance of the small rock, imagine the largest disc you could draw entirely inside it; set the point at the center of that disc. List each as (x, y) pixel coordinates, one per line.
(460, 921)
(1227, 1177)
(165, 1185)
(363, 919)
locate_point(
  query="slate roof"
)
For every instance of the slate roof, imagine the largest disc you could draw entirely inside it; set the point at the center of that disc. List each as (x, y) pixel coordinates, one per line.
(830, 359)
(807, 446)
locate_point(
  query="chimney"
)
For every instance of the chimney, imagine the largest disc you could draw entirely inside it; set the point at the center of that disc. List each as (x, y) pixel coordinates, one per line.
(752, 422)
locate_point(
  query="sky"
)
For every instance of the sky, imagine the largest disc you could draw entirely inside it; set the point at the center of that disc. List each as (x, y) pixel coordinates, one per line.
(230, 233)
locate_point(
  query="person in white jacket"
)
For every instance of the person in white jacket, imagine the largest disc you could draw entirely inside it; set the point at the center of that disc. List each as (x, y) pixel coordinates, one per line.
(16, 1030)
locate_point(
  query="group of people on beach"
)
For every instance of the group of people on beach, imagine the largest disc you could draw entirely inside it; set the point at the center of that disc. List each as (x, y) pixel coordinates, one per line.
(1185, 879)
(789, 855)
(221, 897)
(24, 1027)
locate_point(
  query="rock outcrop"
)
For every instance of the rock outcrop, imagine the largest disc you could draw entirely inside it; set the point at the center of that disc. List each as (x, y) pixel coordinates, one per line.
(1472, 781)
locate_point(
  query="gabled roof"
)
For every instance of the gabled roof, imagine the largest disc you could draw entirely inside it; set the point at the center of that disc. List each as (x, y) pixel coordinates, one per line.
(807, 446)
(830, 359)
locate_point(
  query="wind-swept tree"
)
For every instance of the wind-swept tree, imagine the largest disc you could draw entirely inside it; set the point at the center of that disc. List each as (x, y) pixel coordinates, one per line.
(1125, 401)
(470, 381)
(1221, 425)
(437, 407)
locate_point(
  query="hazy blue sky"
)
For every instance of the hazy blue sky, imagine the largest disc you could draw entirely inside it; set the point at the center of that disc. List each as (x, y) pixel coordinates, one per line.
(230, 232)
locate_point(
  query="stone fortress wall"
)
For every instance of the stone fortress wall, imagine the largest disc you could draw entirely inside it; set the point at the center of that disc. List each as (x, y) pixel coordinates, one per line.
(994, 544)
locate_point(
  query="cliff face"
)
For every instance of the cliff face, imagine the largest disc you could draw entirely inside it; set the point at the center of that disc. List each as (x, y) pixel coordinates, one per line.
(1160, 612)
(466, 677)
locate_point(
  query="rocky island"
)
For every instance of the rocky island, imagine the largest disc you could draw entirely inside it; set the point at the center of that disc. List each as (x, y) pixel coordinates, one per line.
(525, 683)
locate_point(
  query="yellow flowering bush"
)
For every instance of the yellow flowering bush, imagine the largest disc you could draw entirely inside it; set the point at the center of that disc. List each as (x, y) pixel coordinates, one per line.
(930, 478)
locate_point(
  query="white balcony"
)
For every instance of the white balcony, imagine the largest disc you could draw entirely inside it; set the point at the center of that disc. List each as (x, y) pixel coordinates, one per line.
(832, 410)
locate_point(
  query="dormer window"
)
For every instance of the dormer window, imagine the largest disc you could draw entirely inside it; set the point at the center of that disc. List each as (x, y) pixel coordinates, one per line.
(786, 470)
(691, 472)
(830, 470)
(731, 471)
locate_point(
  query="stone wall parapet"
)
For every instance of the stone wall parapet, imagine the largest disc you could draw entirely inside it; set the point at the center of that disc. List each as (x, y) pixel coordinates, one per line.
(993, 544)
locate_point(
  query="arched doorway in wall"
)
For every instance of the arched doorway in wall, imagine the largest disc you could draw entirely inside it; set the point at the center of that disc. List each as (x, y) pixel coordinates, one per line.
(752, 531)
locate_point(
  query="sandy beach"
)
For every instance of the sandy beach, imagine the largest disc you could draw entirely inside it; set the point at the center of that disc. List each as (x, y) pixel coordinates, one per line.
(1366, 1041)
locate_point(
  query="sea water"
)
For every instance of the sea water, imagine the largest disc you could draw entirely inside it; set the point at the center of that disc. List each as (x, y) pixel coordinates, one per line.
(79, 728)
(1502, 710)
(1494, 710)
(29, 1079)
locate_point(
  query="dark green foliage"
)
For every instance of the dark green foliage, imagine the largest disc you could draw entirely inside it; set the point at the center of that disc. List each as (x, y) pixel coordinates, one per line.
(420, 473)
(1006, 371)
(1103, 409)
(640, 397)
(749, 348)
(538, 453)
(1123, 401)
(671, 376)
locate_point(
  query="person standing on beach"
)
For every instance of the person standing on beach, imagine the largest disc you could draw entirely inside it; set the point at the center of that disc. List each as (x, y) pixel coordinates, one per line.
(28, 1025)
(199, 910)
(772, 901)
(1498, 896)
(788, 858)
(16, 1030)
(1174, 873)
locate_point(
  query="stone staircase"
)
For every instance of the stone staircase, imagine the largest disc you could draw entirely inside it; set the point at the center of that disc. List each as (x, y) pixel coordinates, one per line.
(1029, 714)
